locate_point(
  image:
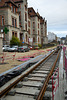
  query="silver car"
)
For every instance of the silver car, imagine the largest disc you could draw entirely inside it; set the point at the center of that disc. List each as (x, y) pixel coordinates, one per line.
(13, 49)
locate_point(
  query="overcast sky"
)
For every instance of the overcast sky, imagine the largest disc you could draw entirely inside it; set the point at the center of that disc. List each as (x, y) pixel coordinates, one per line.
(55, 12)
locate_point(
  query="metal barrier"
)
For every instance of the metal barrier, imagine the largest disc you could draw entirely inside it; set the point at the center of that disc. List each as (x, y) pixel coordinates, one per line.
(65, 60)
(6, 56)
(55, 84)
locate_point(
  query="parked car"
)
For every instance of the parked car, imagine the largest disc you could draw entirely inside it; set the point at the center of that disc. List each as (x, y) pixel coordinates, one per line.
(13, 49)
(5, 47)
(30, 47)
(23, 49)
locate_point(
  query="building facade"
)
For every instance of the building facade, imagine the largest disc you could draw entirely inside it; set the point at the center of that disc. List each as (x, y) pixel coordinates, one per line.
(51, 37)
(9, 18)
(22, 22)
(66, 40)
(38, 28)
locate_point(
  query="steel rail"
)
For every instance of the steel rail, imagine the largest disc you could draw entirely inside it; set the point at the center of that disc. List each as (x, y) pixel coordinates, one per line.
(7, 89)
(43, 89)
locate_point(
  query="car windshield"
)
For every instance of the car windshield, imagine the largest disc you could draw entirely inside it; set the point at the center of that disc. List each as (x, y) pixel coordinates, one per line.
(5, 46)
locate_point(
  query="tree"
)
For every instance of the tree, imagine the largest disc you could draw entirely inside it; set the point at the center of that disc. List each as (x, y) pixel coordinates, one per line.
(39, 45)
(14, 41)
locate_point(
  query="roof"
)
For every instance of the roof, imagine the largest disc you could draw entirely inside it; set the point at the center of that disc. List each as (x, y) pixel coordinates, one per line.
(4, 2)
(41, 20)
(18, 1)
(32, 12)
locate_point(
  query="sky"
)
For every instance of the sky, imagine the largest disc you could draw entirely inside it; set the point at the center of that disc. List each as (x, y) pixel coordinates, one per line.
(55, 12)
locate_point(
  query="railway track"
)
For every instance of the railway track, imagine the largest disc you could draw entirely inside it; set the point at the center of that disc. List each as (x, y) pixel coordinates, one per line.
(32, 83)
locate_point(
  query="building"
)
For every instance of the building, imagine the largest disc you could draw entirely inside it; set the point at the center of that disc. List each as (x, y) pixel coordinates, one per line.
(38, 27)
(23, 19)
(63, 40)
(43, 28)
(22, 22)
(66, 40)
(59, 40)
(51, 37)
(9, 18)
(1, 42)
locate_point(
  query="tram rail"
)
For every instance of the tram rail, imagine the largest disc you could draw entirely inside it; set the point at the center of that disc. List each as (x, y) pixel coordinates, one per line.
(32, 83)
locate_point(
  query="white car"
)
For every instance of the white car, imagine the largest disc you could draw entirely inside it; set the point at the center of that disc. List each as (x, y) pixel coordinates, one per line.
(5, 47)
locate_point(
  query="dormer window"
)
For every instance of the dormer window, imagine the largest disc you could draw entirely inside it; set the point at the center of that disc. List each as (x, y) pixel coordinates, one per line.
(12, 8)
(19, 5)
(25, 7)
(30, 10)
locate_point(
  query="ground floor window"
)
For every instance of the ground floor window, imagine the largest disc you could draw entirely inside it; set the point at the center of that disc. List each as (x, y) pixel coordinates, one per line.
(21, 36)
(38, 39)
(26, 37)
(33, 39)
(14, 34)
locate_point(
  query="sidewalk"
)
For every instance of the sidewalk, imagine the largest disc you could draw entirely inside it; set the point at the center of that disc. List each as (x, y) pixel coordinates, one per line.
(62, 84)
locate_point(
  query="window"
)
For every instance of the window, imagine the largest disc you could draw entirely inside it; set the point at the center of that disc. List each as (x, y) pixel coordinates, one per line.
(33, 31)
(19, 6)
(0, 0)
(38, 39)
(29, 31)
(12, 8)
(38, 25)
(38, 32)
(33, 19)
(26, 27)
(33, 39)
(12, 33)
(15, 34)
(33, 24)
(38, 19)
(25, 16)
(2, 20)
(30, 11)
(29, 23)
(19, 16)
(15, 23)
(12, 21)
(26, 37)
(21, 36)
(25, 7)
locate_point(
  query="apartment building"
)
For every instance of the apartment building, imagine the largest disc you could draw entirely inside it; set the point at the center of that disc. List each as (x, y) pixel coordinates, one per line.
(38, 28)
(23, 19)
(66, 40)
(43, 28)
(35, 26)
(9, 18)
(22, 22)
(52, 37)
